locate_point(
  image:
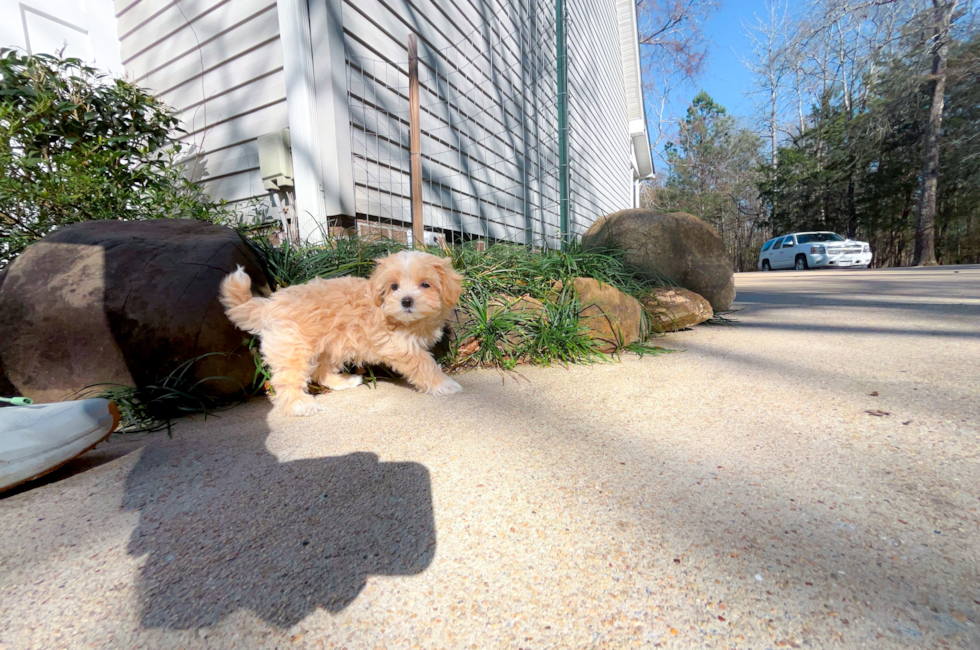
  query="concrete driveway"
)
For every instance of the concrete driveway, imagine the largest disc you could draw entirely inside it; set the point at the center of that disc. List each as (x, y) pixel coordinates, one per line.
(806, 477)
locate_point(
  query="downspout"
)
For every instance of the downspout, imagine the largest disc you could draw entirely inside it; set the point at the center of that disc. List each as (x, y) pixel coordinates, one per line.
(562, 55)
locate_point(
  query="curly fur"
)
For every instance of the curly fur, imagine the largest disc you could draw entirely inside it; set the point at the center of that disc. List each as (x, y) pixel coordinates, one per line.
(311, 331)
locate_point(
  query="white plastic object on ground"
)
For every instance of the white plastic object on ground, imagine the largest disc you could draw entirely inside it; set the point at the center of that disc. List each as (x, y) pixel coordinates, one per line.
(35, 440)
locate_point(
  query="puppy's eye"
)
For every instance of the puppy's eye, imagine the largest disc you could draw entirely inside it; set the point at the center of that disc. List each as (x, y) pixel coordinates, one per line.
(394, 287)
(424, 285)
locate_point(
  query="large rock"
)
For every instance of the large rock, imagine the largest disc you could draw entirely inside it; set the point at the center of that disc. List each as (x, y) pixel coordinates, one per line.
(7, 389)
(676, 245)
(670, 309)
(612, 317)
(123, 302)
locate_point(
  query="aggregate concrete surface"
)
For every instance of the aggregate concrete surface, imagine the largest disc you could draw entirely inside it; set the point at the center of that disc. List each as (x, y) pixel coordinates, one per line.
(805, 477)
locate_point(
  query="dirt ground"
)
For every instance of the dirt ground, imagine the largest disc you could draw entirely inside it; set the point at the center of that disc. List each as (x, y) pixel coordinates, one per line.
(807, 476)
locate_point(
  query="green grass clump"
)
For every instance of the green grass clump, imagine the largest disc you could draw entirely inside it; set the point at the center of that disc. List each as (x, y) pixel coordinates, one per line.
(501, 269)
(557, 335)
(490, 335)
(287, 265)
(155, 407)
(512, 269)
(486, 339)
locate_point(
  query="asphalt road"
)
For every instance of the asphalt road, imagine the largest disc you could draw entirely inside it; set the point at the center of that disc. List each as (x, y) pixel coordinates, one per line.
(808, 476)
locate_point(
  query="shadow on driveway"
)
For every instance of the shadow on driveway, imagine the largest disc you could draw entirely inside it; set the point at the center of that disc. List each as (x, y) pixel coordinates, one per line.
(231, 528)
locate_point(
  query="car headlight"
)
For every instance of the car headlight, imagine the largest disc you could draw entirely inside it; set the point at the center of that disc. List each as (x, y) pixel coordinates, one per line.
(867, 248)
(818, 250)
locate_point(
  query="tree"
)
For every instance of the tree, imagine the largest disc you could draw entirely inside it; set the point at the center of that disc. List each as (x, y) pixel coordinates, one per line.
(76, 146)
(871, 159)
(925, 234)
(714, 171)
(874, 154)
(774, 62)
(673, 49)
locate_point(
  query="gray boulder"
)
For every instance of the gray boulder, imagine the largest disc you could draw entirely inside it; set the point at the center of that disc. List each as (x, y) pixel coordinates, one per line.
(675, 245)
(123, 302)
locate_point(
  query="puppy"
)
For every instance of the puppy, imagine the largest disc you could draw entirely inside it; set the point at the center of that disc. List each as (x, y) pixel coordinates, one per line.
(311, 331)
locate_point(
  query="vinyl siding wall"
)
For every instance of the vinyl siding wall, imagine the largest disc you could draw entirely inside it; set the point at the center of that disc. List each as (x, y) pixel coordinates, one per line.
(600, 150)
(489, 116)
(473, 118)
(219, 62)
(488, 88)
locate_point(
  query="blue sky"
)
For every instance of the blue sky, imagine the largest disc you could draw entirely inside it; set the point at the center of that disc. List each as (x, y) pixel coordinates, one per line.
(725, 78)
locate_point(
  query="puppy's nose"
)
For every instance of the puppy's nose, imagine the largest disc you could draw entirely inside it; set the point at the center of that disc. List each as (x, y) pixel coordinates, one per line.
(407, 302)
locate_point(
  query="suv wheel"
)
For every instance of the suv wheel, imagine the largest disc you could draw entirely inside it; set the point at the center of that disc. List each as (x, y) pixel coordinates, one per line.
(801, 264)
(765, 265)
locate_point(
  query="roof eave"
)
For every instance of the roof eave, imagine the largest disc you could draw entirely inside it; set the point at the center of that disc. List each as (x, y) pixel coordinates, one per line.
(633, 84)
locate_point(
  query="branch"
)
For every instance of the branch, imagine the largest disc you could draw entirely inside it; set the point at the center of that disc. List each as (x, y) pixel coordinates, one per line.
(17, 222)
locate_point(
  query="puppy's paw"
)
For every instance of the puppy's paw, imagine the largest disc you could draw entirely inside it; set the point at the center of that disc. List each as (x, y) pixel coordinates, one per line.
(346, 382)
(447, 387)
(304, 408)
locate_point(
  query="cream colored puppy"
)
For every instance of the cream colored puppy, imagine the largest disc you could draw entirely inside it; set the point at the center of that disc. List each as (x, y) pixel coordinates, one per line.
(311, 331)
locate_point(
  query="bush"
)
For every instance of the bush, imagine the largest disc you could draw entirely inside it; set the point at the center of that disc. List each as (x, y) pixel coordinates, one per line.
(507, 269)
(487, 337)
(76, 145)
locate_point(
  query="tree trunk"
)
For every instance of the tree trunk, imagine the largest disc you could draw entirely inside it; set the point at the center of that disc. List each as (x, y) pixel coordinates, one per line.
(925, 233)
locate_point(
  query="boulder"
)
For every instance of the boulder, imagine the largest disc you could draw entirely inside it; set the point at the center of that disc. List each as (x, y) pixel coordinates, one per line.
(670, 309)
(611, 316)
(123, 302)
(7, 389)
(677, 245)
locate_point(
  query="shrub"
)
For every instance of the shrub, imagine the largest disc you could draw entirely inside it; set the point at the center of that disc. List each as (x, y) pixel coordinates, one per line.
(487, 338)
(76, 145)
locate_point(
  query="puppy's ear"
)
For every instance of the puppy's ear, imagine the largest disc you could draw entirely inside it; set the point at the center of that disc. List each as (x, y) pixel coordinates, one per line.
(378, 282)
(451, 281)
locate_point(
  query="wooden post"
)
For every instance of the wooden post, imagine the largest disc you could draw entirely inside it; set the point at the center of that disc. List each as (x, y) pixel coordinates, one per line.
(415, 129)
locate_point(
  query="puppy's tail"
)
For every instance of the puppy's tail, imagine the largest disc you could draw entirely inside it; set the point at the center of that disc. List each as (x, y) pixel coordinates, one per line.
(242, 308)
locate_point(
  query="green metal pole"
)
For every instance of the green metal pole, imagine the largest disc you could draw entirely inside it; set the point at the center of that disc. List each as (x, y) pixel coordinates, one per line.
(562, 55)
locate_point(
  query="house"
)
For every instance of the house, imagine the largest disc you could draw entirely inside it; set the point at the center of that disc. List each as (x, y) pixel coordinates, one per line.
(531, 111)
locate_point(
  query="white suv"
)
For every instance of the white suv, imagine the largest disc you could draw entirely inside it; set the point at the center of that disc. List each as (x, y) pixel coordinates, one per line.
(813, 250)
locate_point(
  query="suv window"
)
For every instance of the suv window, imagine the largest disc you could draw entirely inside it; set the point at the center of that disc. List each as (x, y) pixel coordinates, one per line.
(820, 237)
(768, 245)
(788, 242)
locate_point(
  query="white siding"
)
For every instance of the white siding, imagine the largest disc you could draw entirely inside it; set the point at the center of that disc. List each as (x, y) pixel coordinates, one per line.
(473, 146)
(488, 88)
(600, 150)
(489, 153)
(219, 62)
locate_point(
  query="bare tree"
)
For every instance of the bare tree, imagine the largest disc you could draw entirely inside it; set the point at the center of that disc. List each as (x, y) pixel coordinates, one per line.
(774, 62)
(925, 234)
(673, 49)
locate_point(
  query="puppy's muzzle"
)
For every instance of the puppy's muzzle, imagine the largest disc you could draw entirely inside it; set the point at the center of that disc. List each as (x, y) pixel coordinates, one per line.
(407, 303)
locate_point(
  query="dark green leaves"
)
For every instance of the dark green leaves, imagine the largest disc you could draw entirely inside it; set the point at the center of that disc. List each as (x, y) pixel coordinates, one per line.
(75, 145)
